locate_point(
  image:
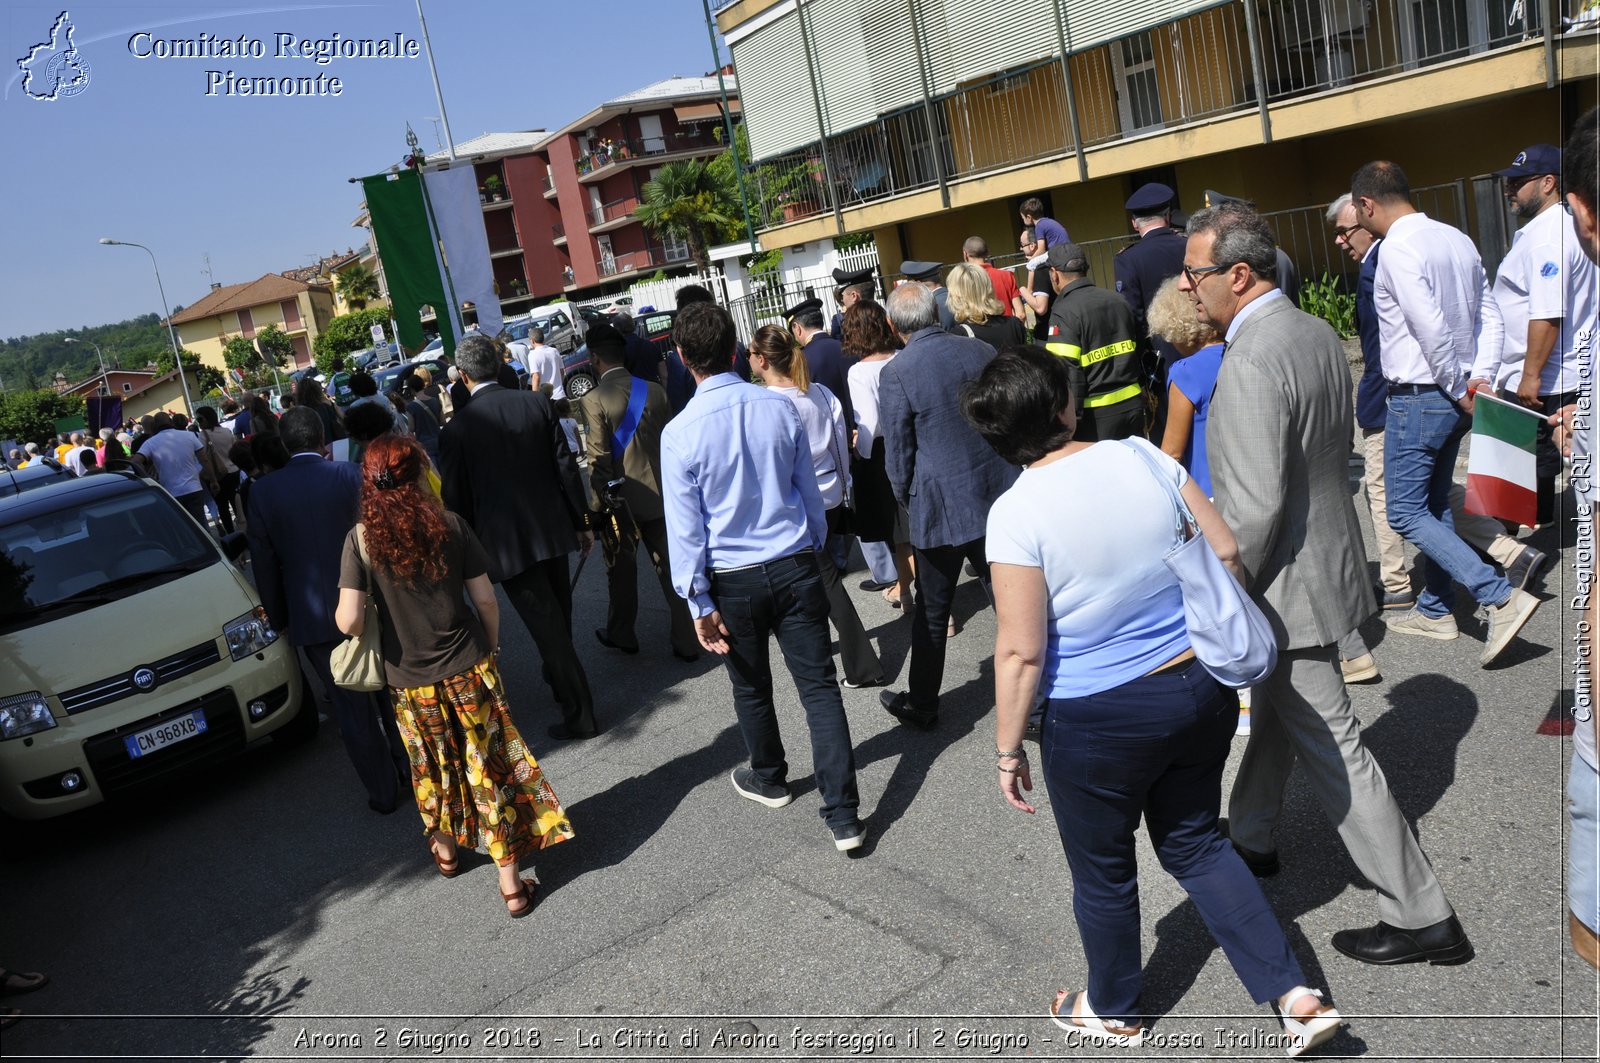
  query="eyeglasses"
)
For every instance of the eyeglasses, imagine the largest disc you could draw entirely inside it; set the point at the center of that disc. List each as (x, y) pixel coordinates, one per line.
(1194, 275)
(1342, 232)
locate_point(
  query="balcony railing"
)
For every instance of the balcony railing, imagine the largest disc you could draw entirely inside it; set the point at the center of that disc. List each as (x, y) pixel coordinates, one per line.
(616, 152)
(617, 208)
(1177, 74)
(653, 258)
(558, 231)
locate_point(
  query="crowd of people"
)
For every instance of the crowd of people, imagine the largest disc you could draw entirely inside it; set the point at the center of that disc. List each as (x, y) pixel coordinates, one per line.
(946, 432)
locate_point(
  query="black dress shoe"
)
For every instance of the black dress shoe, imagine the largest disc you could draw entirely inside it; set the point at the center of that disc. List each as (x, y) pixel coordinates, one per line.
(1443, 944)
(874, 585)
(600, 637)
(899, 706)
(382, 809)
(563, 733)
(686, 658)
(1261, 865)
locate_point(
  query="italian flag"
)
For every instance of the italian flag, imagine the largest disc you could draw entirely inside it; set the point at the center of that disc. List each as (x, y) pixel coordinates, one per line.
(1501, 481)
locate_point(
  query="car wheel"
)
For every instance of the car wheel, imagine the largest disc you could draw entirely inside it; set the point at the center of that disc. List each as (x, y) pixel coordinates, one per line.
(579, 385)
(306, 723)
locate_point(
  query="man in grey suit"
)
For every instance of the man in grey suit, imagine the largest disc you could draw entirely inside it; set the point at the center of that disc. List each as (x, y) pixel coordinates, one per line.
(1278, 439)
(943, 472)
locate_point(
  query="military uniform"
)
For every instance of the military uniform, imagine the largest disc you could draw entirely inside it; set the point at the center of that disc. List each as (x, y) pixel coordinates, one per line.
(1141, 268)
(1093, 329)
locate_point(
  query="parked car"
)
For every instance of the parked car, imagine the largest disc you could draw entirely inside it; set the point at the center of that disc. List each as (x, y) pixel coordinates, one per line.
(41, 472)
(622, 304)
(388, 380)
(561, 324)
(189, 670)
(374, 358)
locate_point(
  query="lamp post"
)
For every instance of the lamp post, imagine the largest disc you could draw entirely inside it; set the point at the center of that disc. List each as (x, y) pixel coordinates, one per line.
(105, 379)
(177, 358)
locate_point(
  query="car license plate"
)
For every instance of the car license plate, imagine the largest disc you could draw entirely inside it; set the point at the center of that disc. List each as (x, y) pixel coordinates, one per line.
(165, 734)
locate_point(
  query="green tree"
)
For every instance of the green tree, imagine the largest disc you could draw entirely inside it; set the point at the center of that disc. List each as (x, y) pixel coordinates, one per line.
(347, 333)
(275, 346)
(204, 376)
(31, 416)
(692, 201)
(357, 285)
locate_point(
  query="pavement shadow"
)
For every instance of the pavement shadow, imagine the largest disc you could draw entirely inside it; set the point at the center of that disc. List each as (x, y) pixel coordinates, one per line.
(1416, 743)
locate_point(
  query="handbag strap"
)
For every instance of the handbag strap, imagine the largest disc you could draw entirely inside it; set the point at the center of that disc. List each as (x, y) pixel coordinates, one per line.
(1185, 522)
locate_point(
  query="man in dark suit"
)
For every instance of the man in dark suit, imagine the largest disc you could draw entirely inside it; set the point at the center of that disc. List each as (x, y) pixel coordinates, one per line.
(852, 287)
(931, 276)
(623, 416)
(298, 519)
(1141, 269)
(508, 471)
(824, 357)
(942, 471)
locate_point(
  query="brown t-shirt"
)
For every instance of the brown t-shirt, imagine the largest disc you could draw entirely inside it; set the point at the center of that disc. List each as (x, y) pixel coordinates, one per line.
(429, 633)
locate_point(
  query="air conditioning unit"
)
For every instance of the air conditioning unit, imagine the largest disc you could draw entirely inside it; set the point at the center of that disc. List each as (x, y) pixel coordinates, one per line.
(1302, 22)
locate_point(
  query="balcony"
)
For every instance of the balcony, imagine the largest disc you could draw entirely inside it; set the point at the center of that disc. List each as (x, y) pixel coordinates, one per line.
(558, 234)
(1193, 71)
(634, 261)
(549, 186)
(614, 156)
(504, 252)
(613, 215)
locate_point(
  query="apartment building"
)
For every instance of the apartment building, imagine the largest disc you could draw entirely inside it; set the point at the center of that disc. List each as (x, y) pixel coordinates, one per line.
(300, 309)
(927, 121)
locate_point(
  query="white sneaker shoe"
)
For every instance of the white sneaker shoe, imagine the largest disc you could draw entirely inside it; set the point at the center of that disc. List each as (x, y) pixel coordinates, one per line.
(1505, 620)
(1413, 622)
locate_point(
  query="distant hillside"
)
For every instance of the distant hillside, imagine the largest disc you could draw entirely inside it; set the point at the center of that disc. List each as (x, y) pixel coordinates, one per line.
(32, 361)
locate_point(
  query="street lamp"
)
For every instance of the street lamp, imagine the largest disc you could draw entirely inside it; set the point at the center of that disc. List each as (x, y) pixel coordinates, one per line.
(105, 379)
(177, 358)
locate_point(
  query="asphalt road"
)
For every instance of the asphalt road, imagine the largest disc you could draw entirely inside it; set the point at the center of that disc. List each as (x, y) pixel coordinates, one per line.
(262, 910)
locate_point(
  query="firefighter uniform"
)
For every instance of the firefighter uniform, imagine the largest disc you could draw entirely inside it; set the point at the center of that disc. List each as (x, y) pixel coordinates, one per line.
(1093, 330)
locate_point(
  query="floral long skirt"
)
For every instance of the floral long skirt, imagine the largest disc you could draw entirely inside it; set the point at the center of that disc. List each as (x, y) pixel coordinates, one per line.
(473, 777)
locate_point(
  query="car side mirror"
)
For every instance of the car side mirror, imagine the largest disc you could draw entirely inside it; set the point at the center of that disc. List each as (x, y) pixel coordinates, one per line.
(234, 545)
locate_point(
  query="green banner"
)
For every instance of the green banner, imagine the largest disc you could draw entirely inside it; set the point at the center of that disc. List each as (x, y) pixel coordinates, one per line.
(407, 251)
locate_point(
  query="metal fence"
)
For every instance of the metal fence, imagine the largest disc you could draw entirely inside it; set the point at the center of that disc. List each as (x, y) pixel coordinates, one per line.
(773, 293)
(1182, 72)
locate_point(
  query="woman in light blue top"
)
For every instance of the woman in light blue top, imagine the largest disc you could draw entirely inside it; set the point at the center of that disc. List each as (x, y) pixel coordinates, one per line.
(1135, 727)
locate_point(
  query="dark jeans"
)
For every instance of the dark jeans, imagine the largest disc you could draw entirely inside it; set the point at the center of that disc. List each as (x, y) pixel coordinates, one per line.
(366, 723)
(623, 581)
(227, 489)
(860, 660)
(542, 596)
(1154, 747)
(194, 503)
(938, 569)
(786, 597)
(1547, 459)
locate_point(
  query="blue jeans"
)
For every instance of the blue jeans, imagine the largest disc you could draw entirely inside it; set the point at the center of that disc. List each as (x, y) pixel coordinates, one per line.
(880, 561)
(787, 598)
(1419, 460)
(1154, 747)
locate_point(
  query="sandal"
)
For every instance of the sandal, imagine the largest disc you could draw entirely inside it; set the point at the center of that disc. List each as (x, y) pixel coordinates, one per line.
(1308, 1031)
(12, 982)
(524, 892)
(448, 868)
(1089, 1025)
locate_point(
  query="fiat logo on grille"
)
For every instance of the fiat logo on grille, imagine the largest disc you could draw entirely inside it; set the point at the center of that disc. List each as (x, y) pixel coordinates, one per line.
(144, 679)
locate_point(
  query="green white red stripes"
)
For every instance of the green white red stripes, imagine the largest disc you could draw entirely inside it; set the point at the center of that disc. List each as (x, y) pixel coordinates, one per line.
(1501, 479)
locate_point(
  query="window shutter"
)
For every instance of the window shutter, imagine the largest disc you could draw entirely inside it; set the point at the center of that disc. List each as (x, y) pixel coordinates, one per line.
(775, 89)
(996, 37)
(844, 74)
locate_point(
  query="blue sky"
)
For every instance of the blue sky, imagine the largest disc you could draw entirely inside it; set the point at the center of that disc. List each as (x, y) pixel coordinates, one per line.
(143, 154)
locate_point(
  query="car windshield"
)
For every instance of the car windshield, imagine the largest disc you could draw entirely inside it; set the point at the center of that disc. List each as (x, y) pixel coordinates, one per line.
(519, 331)
(58, 563)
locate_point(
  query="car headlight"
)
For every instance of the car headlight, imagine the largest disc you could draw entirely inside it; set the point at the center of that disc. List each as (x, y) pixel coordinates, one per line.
(251, 633)
(24, 714)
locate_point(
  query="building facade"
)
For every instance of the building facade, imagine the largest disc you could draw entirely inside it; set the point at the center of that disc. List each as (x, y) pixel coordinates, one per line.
(300, 309)
(927, 121)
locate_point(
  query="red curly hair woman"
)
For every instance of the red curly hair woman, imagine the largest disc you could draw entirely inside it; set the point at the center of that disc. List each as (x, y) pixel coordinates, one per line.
(476, 783)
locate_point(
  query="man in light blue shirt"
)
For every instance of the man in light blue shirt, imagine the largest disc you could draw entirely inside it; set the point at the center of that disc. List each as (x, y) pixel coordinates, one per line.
(745, 523)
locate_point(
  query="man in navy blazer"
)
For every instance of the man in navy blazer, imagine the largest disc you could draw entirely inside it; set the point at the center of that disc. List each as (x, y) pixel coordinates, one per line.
(299, 517)
(509, 473)
(825, 358)
(942, 471)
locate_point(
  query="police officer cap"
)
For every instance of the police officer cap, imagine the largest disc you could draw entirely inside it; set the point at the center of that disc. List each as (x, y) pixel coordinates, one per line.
(845, 278)
(1068, 258)
(1152, 198)
(804, 306)
(603, 335)
(921, 271)
(1535, 161)
(1217, 199)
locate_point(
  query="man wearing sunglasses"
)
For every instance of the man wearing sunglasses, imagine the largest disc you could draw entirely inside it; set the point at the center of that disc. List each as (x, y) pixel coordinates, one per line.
(1545, 291)
(1440, 329)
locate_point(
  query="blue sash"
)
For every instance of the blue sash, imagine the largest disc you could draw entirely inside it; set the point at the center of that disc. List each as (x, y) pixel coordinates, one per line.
(620, 439)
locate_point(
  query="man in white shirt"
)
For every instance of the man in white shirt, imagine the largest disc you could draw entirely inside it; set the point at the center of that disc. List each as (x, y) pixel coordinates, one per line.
(1545, 291)
(1436, 320)
(544, 366)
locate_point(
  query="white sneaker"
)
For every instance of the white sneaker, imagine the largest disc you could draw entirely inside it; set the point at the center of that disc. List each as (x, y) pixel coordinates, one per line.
(1414, 622)
(1505, 620)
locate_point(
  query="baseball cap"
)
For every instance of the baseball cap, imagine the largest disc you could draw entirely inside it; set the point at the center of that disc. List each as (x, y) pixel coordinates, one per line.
(1533, 161)
(1068, 258)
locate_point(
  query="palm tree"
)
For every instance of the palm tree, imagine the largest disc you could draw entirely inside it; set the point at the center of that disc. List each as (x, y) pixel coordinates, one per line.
(692, 201)
(357, 284)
